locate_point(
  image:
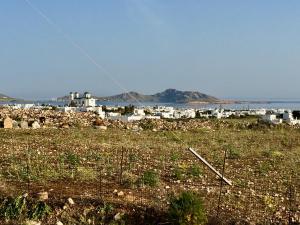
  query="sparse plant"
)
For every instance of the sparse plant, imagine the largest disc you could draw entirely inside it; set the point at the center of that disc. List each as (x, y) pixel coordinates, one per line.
(175, 156)
(12, 208)
(39, 211)
(147, 125)
(72, 159)
(233, 153)
(187, 209)
(178, 173)
(150, 178)
(194, 171)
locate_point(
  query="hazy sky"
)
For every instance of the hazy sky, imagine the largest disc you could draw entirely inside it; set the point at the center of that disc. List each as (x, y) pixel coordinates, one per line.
(229, 48)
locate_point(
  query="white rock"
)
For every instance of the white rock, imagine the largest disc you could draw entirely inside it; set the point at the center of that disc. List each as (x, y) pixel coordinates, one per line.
(59, 223)
(36, 125)
(8, 123)
(32, 222)
(102, 127)
(121, 194)
(71, 201)
(118, 216)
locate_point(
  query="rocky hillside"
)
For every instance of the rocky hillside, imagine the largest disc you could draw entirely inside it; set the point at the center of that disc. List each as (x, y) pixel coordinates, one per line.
(5, 98)
(169, 95)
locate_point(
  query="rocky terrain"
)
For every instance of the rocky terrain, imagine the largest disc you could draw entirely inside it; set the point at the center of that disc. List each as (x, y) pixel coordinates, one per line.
(93, 171)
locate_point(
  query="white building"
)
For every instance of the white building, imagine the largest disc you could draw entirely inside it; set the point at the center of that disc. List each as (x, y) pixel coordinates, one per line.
(271, 118)
(139, 112)
(85, 100)
(184, 113)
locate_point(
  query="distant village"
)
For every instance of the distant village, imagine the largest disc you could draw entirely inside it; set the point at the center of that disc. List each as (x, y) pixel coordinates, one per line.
(86, 103)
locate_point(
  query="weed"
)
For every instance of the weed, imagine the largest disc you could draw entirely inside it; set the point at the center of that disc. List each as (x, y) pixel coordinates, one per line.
(147, 125)
(178, 173)
(187, 209)
(150, 178)
(175, 156)
(72, 159)
(12, 208)
(195, 171)
(39, 211)
(233, 153)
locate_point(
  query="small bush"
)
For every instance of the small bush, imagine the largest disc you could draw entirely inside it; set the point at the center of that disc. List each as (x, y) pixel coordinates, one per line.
(150, 178)
(12, 208)
(147, 125)
(187, 209)
(72, 159)
(39, 211)
(20, 208)
(175, 156)
(195, 171)
(178, 173)
(233, 153)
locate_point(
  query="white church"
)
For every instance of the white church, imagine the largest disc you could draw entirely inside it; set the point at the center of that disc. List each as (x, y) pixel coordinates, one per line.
(84, 100)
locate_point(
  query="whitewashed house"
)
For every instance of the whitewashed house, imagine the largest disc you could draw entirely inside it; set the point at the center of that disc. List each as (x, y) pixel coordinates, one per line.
(139, 112)
(271, 118)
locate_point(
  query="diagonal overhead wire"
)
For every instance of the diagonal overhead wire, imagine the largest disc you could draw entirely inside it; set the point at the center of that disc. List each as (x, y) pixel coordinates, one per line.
(82, 50)
(86, 54)
(91, 59)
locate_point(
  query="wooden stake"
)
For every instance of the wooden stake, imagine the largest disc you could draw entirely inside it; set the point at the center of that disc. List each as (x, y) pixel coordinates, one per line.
(210, 166)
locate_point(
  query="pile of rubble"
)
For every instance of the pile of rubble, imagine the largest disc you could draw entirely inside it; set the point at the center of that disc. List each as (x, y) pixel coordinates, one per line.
(45, 118)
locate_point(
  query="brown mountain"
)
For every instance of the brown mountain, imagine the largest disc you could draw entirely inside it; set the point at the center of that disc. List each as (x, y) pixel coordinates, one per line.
(167, 96)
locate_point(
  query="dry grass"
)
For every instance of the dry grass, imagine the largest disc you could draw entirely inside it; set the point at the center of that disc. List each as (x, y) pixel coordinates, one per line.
(87, 163)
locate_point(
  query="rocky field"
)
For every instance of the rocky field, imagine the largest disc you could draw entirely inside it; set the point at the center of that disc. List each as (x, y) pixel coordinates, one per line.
(77, 169)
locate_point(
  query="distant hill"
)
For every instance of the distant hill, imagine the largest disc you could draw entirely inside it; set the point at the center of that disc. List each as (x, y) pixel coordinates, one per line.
(167, 96)
(5, 98)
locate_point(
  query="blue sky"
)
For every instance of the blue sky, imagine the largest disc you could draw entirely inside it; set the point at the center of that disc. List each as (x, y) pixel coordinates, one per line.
(229, 49)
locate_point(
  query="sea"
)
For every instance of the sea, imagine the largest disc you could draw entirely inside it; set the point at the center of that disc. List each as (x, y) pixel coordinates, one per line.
(293, 104)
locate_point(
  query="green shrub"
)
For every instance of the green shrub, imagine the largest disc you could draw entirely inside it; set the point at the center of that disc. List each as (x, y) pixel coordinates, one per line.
(39, 211)
(20, 207)
(178, 173)
(12, 208)
(150, 178)
(72, 159)
(233, 153)
(175, 156)
(147, 125)
(195, 171)
(187, 209)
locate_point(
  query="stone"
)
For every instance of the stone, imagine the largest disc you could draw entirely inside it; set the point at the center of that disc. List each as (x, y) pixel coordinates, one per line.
(32, 222)
(35, 125)
(98, 123)
(24, 124)
(71, 201)
(135, 128)
(101, 127)
(118, 216)
(43, 196)
(59, 223)
(15, 124)
(64, 126)
(8, 123)
(121, 194)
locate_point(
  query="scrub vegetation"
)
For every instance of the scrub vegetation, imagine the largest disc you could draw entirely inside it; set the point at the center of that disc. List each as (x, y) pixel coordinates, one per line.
(121, 176)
